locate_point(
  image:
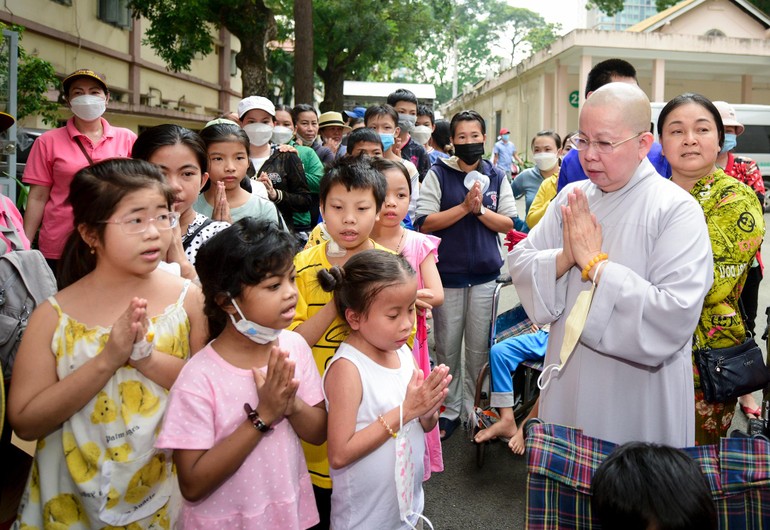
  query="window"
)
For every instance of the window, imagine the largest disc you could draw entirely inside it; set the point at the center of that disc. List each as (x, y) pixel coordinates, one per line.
(715, 33)
(115, 12)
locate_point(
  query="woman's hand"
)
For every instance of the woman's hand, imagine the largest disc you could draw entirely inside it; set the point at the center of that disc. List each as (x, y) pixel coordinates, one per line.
(582, 230)
(264, 179)
(130, 327)
(278, 388)
(424, 397)
(472, 202)
(221, 206)
(424, 296)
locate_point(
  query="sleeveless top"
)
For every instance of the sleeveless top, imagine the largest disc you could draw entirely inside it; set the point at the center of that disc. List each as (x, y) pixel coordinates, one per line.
(100, 467)
(364, 493)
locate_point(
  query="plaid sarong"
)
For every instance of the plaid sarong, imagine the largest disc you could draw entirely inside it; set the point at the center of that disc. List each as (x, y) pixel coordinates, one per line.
(561, 462)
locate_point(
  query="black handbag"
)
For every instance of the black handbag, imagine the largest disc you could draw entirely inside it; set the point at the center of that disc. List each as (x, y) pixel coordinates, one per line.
(727, 373)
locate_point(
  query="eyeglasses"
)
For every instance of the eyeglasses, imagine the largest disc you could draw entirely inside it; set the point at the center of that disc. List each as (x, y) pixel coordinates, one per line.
(138, 224)
(581, 143)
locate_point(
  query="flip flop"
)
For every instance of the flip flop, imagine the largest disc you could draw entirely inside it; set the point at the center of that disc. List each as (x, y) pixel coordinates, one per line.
(756, 413)
(448, 426)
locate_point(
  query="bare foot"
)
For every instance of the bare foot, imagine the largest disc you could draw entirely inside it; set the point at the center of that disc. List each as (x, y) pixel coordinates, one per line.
(517, 443)
(503, 428)
(749, 406)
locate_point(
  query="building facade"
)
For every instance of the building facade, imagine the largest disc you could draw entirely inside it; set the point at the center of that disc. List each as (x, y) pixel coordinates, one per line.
(719, 48)
(102, 35)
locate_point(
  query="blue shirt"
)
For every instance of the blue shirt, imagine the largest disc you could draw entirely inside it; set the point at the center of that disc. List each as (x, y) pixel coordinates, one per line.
(504, 152)
(527, 183)
(572, 171)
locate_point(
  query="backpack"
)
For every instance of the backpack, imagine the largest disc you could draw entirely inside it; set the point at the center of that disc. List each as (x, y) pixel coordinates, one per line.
(25, 281)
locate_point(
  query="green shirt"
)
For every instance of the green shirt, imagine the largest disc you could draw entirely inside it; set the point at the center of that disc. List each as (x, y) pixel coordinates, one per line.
(314, 170)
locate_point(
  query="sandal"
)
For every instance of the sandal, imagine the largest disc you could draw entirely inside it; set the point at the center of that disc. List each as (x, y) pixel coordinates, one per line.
(448, 427)
(751, 413)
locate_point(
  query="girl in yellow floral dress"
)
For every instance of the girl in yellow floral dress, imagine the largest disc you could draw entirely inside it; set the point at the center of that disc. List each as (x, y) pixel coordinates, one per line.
(92, 372)
(692, 134)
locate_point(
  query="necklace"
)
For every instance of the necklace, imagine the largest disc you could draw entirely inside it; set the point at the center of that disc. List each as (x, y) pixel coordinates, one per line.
(403, 233)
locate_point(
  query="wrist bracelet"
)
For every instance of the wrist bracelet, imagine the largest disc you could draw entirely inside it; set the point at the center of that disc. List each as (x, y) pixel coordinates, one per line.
(255, 420)
(387, 427)
(596, 259)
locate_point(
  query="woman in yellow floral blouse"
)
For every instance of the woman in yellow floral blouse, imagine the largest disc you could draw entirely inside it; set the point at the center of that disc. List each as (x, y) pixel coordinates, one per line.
(692, 134)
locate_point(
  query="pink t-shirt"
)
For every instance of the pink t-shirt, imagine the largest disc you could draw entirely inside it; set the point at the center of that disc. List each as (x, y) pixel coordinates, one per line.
(272, 487)
(53, 161)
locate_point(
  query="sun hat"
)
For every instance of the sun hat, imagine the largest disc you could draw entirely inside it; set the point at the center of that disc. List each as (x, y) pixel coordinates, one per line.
(728, 116)
(331, 119)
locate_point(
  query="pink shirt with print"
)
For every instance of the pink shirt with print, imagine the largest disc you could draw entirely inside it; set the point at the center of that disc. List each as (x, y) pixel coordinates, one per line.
(53, 161)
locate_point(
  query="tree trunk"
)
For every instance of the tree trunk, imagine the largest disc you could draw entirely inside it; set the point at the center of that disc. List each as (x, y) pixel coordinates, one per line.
(254, 29)
(333, 84)
(303, 51)
(252, 60)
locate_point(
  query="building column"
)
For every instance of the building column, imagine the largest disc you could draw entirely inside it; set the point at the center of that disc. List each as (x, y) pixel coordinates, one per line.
(562, 97)
(134, 70)
(549, 95)
(586, 63)
(658, 80)
(747, 87)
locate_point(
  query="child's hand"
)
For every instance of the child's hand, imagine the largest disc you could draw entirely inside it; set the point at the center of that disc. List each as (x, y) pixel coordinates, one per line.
(423, 299)
(278, 388)
(221, 206)
(130, 327)
(424, 397)
(264, 179)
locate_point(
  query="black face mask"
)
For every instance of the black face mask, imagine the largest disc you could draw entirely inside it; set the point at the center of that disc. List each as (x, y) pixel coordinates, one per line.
(469, 153)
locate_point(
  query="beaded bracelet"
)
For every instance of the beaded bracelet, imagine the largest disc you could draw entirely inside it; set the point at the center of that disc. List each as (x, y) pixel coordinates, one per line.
(596, 259)
(387, 427)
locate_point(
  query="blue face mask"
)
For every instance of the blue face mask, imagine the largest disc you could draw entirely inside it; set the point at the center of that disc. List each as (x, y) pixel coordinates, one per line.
(731, 140)
(387, 140)
(506, 137)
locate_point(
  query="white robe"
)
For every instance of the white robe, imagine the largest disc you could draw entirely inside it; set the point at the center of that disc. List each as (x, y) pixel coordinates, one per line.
(630, 376)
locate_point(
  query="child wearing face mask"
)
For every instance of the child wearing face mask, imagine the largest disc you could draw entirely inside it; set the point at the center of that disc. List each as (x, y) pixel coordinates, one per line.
(240, 407)
(405, 103)
(545, 148)
(278, 166)
(60, 153)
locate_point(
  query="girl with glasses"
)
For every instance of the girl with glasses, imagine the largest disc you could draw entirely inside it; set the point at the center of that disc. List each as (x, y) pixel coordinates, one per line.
(93, 372)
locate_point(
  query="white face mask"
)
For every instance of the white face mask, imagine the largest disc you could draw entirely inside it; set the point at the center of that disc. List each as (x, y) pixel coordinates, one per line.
(252, 330)
(282, 135)
(405, 472)
(259, 133)
(545, 161)
(421, 134)
(88, 107)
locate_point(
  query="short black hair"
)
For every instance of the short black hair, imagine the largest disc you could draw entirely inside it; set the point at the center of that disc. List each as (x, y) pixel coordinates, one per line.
(362, 134)
(381, 110)
(551, 134)
(402, 94)
(466, 115)
(239, 256)
(354, 173)
(300, 108)
(605, 72)
(425, 110)
(643, 485)
(441, 136)
(698, 99)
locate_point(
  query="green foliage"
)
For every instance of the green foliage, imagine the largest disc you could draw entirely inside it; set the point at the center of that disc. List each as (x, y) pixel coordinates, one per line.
(608, 7)
(181, 29)
(368, 39)
(468, 41)
(35, 77)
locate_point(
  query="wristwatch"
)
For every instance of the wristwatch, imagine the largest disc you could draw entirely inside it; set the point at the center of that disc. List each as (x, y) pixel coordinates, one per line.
(481, 211)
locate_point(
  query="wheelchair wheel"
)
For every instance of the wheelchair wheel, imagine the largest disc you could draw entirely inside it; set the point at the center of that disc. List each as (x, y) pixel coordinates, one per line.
(481, 402)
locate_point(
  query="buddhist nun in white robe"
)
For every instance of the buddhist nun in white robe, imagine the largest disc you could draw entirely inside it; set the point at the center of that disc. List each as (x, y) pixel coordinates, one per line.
(629, 377)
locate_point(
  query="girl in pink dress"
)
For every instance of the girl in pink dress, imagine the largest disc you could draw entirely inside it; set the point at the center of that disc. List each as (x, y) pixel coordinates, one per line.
(240, 407)
(421, 251)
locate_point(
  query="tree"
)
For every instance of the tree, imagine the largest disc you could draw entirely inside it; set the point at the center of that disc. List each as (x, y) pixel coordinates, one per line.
(303, 51)
(361, 39)
(467, 48)
(181, 29)
(613, 7)
(35, 77)
(541, 37)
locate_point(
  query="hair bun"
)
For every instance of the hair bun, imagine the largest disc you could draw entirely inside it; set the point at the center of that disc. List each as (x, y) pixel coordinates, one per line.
(331, 279)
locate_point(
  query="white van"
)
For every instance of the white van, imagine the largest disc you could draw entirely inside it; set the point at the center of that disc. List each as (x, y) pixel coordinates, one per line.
(753, 143)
